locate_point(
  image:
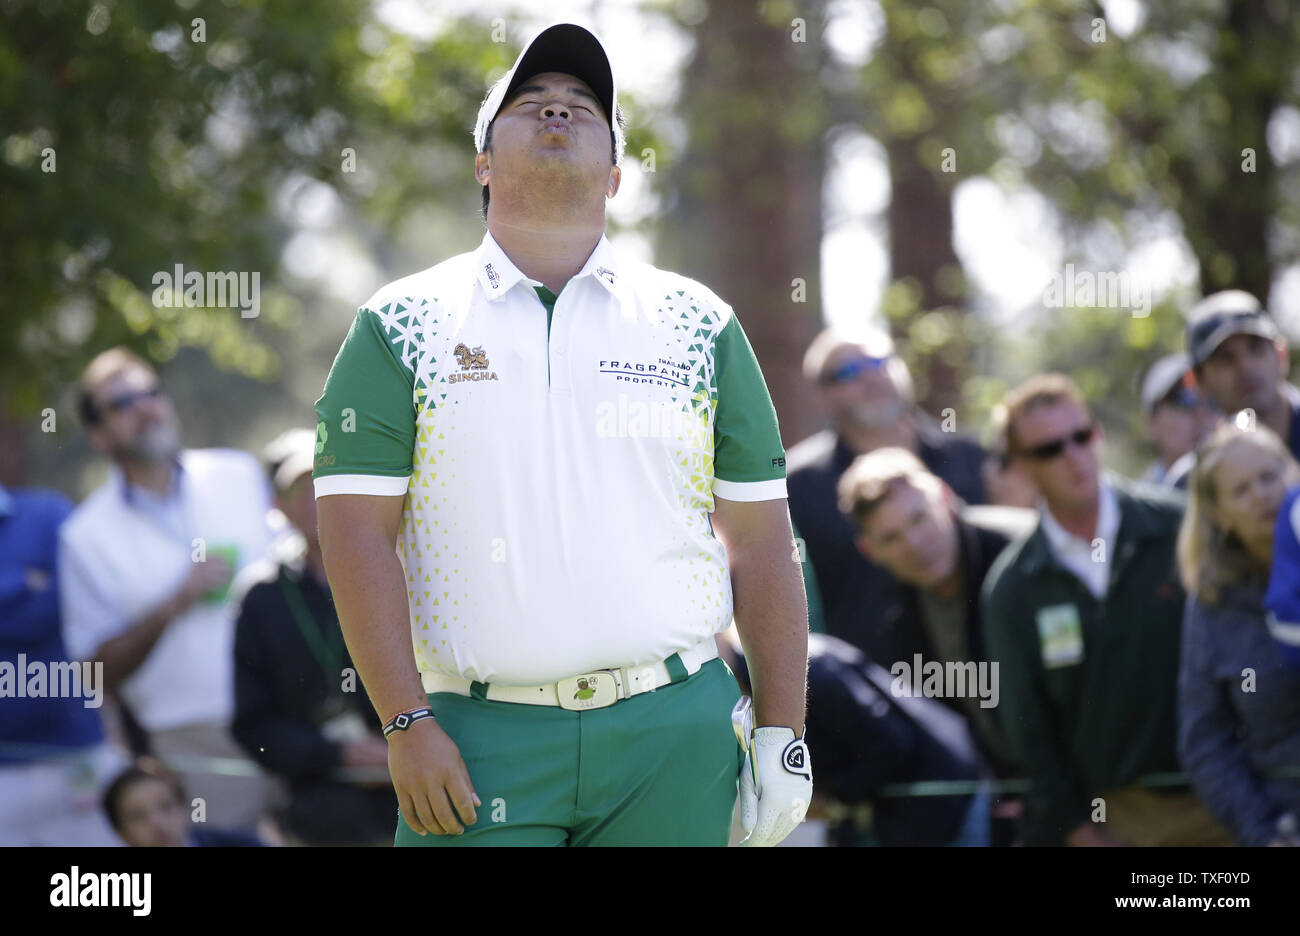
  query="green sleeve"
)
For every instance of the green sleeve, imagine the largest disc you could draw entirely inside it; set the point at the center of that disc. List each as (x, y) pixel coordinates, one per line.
(747, 450)
(366, 414)
(1026, 713)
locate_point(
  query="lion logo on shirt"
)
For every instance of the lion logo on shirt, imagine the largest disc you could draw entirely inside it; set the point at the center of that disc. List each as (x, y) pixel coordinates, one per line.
(471, 358)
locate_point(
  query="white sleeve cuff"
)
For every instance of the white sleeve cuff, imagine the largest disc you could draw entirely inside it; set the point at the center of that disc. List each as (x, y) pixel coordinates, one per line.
(748, 491)
(382, 485)
(1283, 632)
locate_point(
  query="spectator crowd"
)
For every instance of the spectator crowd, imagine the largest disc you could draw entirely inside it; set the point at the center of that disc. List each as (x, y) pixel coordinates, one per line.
(981, 614)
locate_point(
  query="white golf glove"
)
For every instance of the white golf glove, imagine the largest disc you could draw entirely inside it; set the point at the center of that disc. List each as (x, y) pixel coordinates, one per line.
(775, 786)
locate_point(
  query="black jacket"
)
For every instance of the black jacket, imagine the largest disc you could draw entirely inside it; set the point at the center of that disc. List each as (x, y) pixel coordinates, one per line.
(862, 736)
(283, 696)
(861, 602)
(984, 532)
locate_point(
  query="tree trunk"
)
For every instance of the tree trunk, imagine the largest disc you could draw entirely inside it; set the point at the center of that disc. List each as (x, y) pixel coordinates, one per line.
(745, 216)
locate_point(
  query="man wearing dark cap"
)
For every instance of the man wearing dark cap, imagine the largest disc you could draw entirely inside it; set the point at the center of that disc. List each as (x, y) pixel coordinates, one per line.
(1177, 415)
(547, 477)
(1240, 361)
(299, 711)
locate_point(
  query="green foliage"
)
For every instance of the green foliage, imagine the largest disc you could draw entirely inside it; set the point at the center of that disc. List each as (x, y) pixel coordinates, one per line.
(138, 136)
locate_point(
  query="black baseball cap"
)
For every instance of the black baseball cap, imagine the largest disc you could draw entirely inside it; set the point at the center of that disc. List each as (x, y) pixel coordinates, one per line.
(565, 48)
(1162, 378)
(1218, 317)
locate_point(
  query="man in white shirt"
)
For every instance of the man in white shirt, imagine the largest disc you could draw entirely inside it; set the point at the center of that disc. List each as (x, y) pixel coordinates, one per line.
(551, 435)
(145, 565)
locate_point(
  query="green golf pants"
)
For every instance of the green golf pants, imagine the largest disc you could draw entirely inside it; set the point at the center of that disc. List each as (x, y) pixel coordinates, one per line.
(659, 768)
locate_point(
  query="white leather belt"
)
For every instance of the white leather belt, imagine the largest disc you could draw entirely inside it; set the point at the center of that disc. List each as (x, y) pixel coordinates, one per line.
(596, 689)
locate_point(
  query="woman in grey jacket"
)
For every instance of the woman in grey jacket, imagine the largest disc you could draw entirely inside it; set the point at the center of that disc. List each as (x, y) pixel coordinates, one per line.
(1239, 703)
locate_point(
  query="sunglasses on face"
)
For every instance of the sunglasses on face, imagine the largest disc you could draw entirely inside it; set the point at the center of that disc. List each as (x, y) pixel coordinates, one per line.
(1049, 450)
(1184, 399)
(850, 369)
(124, 401)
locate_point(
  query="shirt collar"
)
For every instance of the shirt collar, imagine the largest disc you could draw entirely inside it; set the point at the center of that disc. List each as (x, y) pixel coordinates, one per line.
(497, 273)
(130, 491)
(602, 265)
(1060, 539)
(6, 502)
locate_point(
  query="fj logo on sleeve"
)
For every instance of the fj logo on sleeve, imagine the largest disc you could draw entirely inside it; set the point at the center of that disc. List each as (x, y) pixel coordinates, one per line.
(322, 436)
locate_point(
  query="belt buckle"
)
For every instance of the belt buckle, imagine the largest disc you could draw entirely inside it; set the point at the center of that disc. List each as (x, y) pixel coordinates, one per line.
(587, 691)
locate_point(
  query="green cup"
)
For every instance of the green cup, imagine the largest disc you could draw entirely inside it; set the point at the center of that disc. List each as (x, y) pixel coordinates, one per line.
(229, 553)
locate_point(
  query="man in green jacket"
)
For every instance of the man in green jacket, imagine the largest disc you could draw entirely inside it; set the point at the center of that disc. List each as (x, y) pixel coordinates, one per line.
(1084, 618)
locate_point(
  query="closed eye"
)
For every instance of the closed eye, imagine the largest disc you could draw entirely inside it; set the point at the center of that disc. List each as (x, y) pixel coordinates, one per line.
(572, 106)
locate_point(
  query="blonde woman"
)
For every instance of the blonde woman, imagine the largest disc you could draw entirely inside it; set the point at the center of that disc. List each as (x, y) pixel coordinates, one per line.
(1239, 704)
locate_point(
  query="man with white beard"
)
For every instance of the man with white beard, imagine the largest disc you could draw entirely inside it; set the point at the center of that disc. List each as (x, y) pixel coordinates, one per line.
(145, 565)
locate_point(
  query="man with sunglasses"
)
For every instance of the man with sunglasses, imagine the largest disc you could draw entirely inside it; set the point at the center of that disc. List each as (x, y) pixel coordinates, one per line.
(1084, 617)
(866, 392)
(145, 565)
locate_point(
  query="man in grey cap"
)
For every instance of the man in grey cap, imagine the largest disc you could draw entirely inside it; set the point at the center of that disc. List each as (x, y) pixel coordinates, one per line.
(1177, 416)
(578, 462)
(1240, 361)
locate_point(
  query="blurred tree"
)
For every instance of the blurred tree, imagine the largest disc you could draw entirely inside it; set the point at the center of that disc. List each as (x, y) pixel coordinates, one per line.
(1164, 128)
(1161, 129)
(140, 136)
(743, 211)
(924, 94)
(1173, 116)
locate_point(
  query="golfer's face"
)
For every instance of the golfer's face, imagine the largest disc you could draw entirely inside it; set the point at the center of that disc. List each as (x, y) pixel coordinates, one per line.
(553, 119)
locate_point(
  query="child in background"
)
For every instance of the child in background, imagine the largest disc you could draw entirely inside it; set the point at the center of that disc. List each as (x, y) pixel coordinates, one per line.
(146, 805)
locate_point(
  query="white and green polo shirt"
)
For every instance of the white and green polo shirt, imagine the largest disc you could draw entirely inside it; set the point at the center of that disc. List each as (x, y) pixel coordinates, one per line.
(559, 465)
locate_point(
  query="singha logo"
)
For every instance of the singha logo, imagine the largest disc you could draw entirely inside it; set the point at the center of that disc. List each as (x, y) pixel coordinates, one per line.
(471, 359)
(473, 364)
